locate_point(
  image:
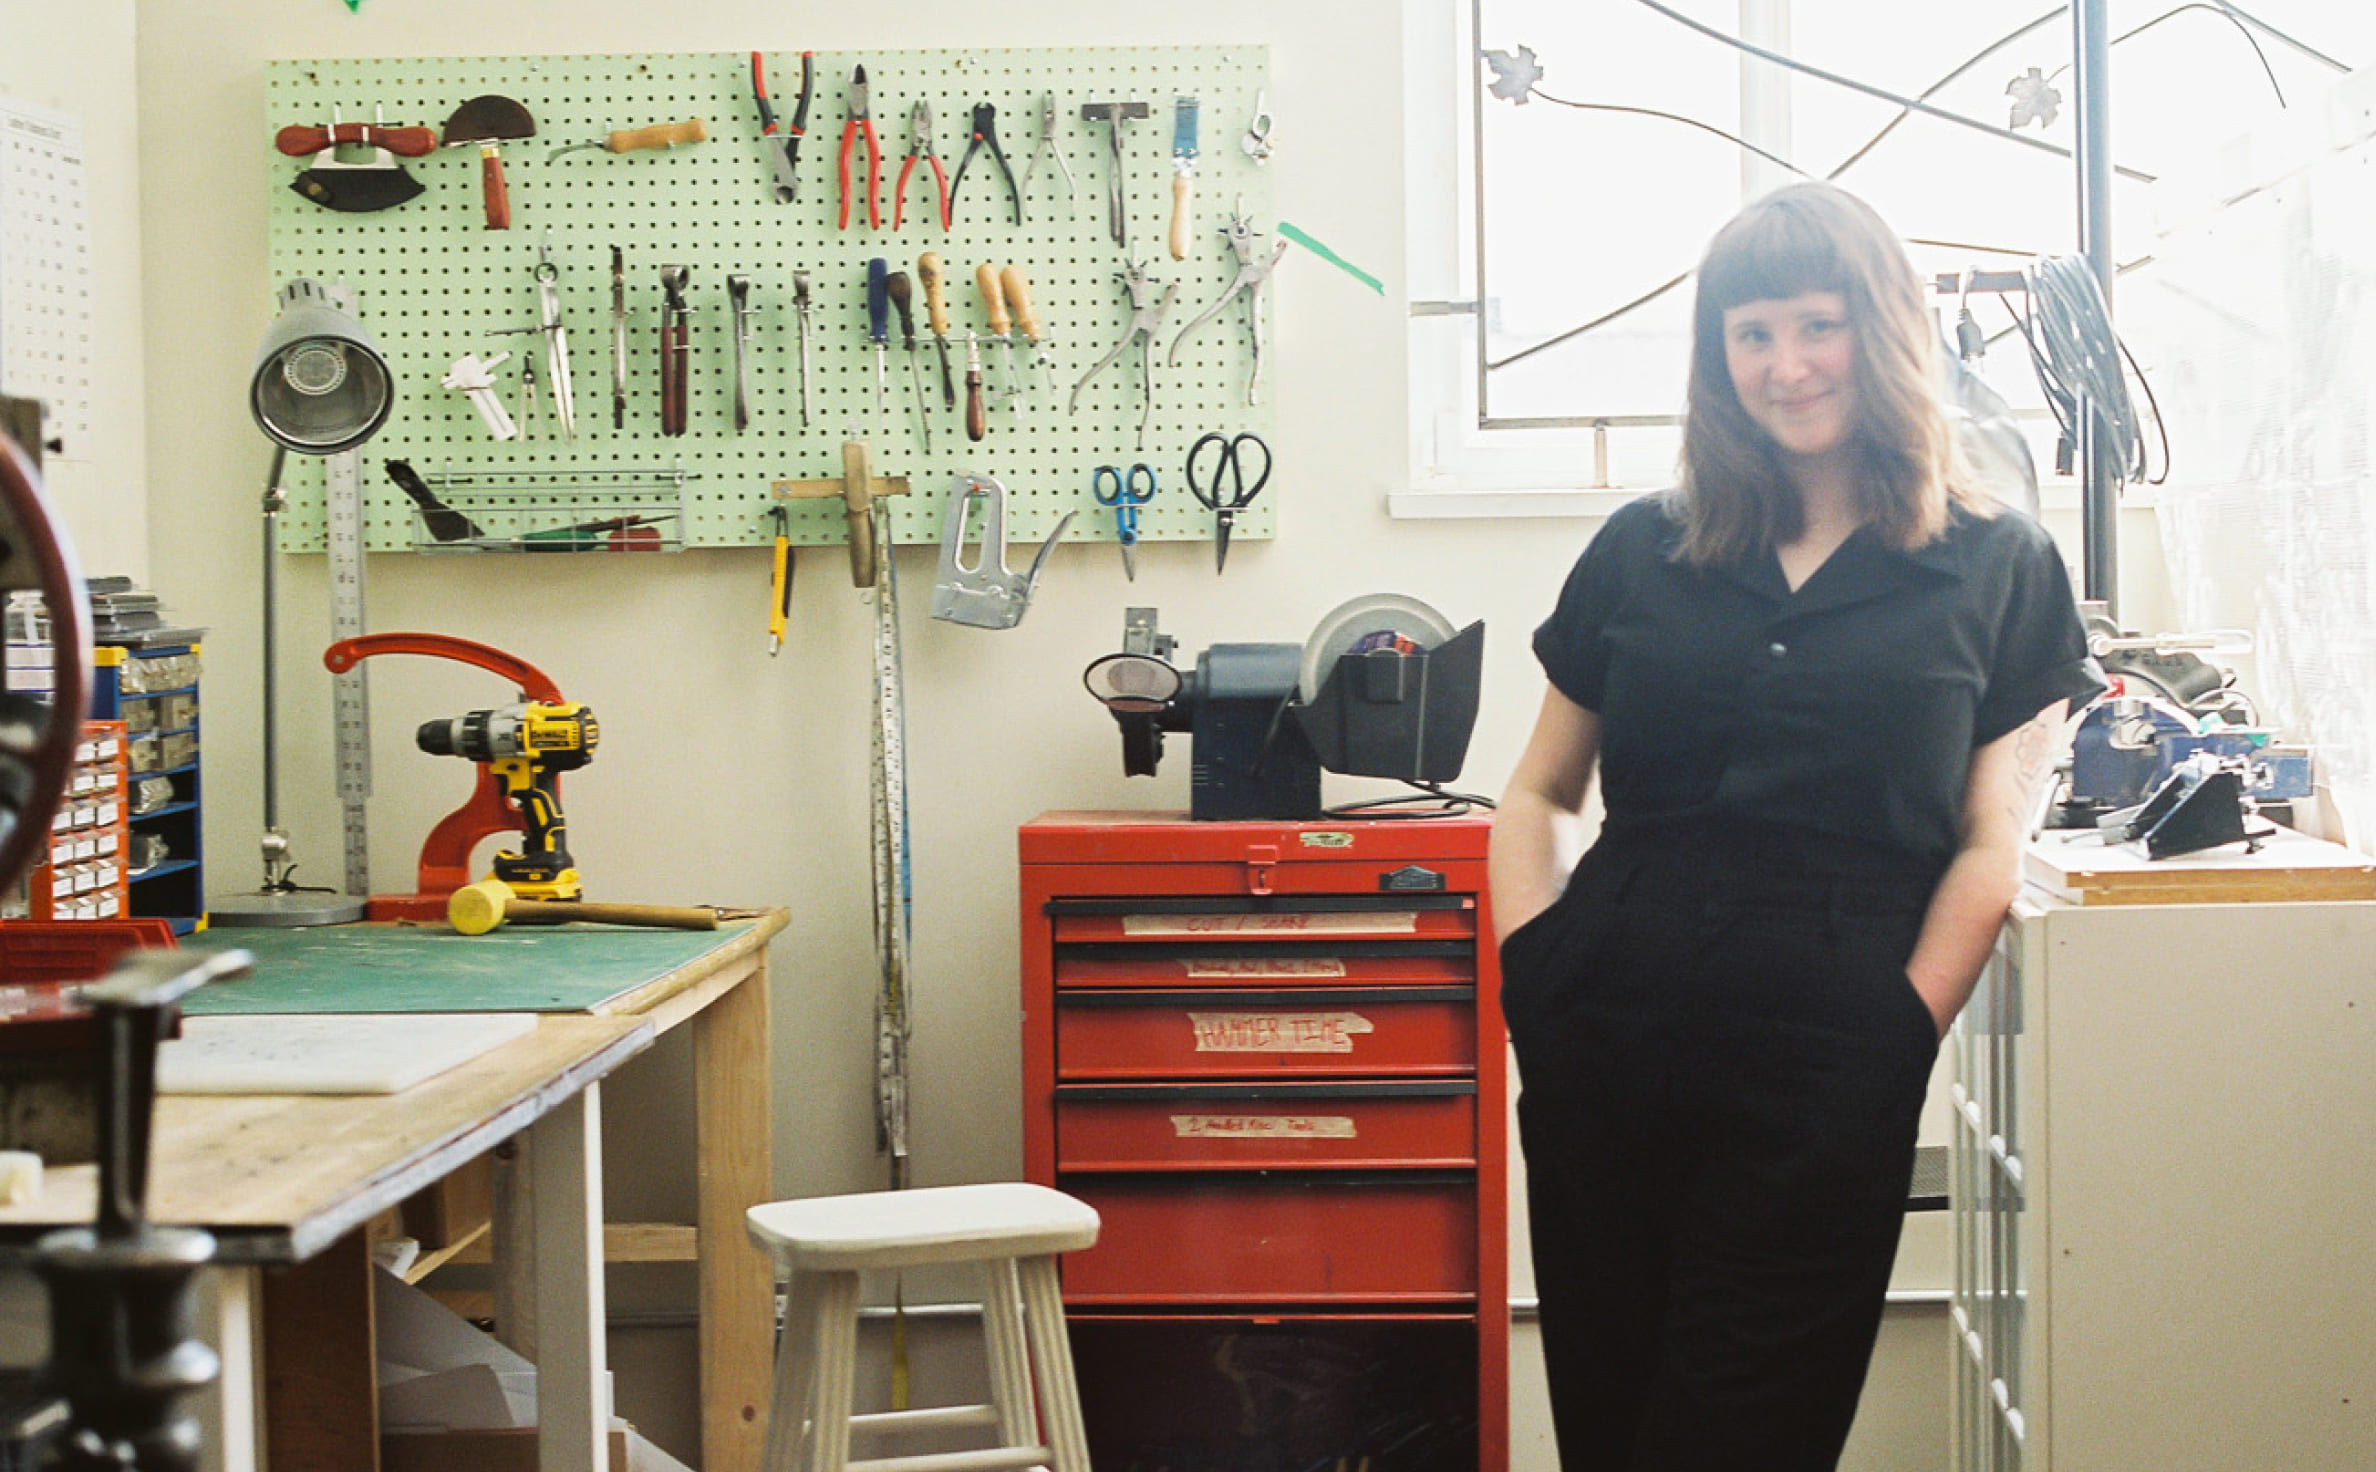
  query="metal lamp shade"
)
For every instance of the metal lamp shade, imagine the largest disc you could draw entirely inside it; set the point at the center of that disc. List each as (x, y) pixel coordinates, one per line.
(320, 384)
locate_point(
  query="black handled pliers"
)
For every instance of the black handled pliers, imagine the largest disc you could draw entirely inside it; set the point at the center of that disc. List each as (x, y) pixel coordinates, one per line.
(783, 150)
(985, 131)
(920, 147)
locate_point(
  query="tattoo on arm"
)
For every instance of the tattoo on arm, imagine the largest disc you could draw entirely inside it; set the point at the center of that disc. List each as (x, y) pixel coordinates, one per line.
(2033, 760)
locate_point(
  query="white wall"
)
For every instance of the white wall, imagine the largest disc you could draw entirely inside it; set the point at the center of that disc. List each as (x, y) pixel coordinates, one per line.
(78, 59)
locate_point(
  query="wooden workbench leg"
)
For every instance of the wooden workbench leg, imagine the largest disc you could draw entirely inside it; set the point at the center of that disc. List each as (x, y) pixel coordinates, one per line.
(572, 1400)
(732, 1115)
(237, 1308)
(512, 1237)
(321, 1399)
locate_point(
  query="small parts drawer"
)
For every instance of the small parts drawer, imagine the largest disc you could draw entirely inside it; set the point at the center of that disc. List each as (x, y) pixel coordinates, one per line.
(1225, 1033)
(1293, 963)
(1200, 920)
(1312, 1236)
(1119, 1127)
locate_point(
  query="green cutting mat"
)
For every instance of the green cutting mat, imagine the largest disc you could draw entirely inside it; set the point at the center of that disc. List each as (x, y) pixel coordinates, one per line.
(374, 968)
(433, 284)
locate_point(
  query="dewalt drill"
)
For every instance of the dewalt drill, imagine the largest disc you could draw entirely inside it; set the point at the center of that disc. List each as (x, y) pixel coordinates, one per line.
(526, 747)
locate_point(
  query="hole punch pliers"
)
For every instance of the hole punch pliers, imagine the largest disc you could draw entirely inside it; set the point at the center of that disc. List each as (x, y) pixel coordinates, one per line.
(920, 147)
(985, 131)
(1146, 318)
(1253, 273)
(860, 121)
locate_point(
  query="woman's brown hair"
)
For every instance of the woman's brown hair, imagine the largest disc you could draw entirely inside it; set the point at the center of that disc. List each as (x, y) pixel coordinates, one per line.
(1737, 502)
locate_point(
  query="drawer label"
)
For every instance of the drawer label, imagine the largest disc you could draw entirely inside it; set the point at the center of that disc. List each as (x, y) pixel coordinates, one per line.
(1325, 922)
(1281, 967)
(1262, 1127)
(1277, 1032)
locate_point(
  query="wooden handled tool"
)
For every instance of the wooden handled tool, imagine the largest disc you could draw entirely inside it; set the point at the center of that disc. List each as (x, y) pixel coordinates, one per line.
(977, 418)
(936, 311)
(490, 122)
(297, 140)
(1017, 289)
(1002, 327)
(475, 909)
(629, 140)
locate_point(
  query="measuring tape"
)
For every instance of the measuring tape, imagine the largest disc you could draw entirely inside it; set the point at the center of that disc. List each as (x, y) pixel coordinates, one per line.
(350, 697)
(894, 884)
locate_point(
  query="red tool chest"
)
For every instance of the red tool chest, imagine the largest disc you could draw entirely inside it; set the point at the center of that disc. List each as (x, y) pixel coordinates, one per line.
(1271, 1055)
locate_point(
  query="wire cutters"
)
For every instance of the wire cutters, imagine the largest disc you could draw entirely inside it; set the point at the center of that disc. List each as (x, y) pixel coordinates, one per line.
(861, 121)
(1047, 146)
(783, 144)
(1128, 495)
(920, 147)
(1229, 463)
(985, 130)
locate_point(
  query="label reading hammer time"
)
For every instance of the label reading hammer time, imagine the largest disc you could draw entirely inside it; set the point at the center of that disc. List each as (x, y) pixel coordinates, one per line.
(1327, 922)
(1277, 1032)
(1262, 1127)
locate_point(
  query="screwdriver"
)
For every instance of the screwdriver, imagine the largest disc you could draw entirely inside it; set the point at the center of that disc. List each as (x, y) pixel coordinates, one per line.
(1002, 328)
(903, 302)
(1018, 295)
(977, 421)
(878, 319)
(928, 276)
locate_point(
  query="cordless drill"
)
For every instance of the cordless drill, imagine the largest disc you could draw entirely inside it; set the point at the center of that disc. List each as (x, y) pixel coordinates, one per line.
(526, 747)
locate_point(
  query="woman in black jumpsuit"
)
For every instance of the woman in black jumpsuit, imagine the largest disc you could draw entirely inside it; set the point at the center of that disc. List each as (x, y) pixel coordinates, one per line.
(1821, 685)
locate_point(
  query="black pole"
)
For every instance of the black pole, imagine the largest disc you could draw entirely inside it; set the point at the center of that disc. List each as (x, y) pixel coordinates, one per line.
(2099, 457)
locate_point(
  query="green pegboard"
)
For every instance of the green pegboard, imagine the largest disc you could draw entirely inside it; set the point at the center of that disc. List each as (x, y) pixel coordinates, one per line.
(433, 284)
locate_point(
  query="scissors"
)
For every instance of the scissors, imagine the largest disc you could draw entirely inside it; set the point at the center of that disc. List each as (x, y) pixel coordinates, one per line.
(1132, 489)
(1227, 464)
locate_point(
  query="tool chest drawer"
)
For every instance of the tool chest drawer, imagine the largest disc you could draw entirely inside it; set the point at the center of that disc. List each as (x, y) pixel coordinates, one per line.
(1226, 1033)
(1238, 1126)
(1277, 1237)
(1196, 920)
(1280, 963)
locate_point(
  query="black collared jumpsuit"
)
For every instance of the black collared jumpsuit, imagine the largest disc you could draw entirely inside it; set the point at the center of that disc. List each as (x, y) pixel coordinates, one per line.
(1721, 1059)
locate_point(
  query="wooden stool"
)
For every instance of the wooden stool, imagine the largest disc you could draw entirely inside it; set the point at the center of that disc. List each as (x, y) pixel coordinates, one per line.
(1014, 1231)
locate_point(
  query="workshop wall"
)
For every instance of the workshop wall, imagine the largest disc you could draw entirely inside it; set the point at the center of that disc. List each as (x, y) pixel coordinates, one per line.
(727, 776)
(77, 59)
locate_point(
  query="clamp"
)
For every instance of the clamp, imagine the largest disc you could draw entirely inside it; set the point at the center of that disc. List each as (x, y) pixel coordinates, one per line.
(1252, 275)
(920, 147)
(985, 131)
(1145, 320)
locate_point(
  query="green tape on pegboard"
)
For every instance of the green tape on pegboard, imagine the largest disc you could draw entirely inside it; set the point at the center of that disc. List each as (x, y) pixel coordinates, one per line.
(434, 285)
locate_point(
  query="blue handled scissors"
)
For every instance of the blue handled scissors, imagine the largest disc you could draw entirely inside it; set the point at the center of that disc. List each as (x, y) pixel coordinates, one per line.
(1131, 490)
(1230, 465)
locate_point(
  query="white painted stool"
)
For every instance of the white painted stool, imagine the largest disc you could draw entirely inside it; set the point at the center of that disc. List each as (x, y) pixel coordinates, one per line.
(1014, 1231)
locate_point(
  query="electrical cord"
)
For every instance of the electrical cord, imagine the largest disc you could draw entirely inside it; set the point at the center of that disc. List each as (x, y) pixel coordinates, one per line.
(1390, 809)
(2078, 356)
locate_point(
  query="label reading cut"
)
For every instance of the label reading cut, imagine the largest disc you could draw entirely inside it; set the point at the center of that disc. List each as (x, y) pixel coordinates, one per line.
(1262, 1127)
(1324, 922)
(1277, 1032)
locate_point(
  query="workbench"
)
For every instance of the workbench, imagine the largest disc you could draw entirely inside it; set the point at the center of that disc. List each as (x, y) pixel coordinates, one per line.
(288, 1182)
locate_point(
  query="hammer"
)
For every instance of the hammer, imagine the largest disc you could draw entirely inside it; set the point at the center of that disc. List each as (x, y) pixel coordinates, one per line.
(475, 909)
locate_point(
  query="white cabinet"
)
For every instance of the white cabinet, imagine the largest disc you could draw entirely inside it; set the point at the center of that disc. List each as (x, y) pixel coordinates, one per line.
(2164, 1189)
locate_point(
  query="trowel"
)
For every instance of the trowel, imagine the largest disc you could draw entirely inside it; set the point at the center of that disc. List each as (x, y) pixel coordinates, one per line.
(355, 188)
(490, 122)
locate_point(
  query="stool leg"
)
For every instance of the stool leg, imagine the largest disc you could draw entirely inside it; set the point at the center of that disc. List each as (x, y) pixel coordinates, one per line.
(836, 1373)
(796, 1363)
(1051, 1355)
(1010, 1367)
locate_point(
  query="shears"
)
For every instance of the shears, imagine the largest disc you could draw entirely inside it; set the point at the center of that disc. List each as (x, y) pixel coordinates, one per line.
(1228, 464)
(1131, 490)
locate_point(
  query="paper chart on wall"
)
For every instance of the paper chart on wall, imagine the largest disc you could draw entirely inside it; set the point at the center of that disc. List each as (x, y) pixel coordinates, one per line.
(45, 270)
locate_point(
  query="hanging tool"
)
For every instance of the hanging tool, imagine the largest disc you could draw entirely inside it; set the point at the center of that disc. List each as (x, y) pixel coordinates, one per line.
(978, 595)
(676, 349)
(490, 122)
(878, 321)
(1018, 295)
(528, 395)
(779, 596)
(1257, 142)
(441, 521)
(1252, 276)
(903, 301)
(475, 379)
(936, 311)
(618, 338)
(556, 336)
(1145, 319)
(1114, 115)
(634, 140)
(355, 188)
(858, 490)
(1002, 328)
(977, 417)
(1129, 494)
(985, 131)
(783, 144)
(1183, 173)
(861, 122)
(800, 306)
(1046, 147)
(738, 298)
(920, 147)
(1228, 463)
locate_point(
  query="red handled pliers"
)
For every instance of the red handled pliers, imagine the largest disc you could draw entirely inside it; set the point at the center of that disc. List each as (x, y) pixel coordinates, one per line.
(920, 147)
(861, 122)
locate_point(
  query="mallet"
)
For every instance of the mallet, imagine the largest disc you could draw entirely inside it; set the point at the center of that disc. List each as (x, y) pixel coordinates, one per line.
(475, 909)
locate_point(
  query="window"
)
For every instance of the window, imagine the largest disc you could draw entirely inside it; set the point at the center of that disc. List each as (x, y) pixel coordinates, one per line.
(1546, 359)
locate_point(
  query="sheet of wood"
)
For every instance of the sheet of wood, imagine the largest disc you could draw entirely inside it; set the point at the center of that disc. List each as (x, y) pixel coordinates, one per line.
(380, 1054)
(2081, 868)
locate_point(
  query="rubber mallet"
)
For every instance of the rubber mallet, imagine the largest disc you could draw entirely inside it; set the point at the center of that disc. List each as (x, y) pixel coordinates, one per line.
(475, 909)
